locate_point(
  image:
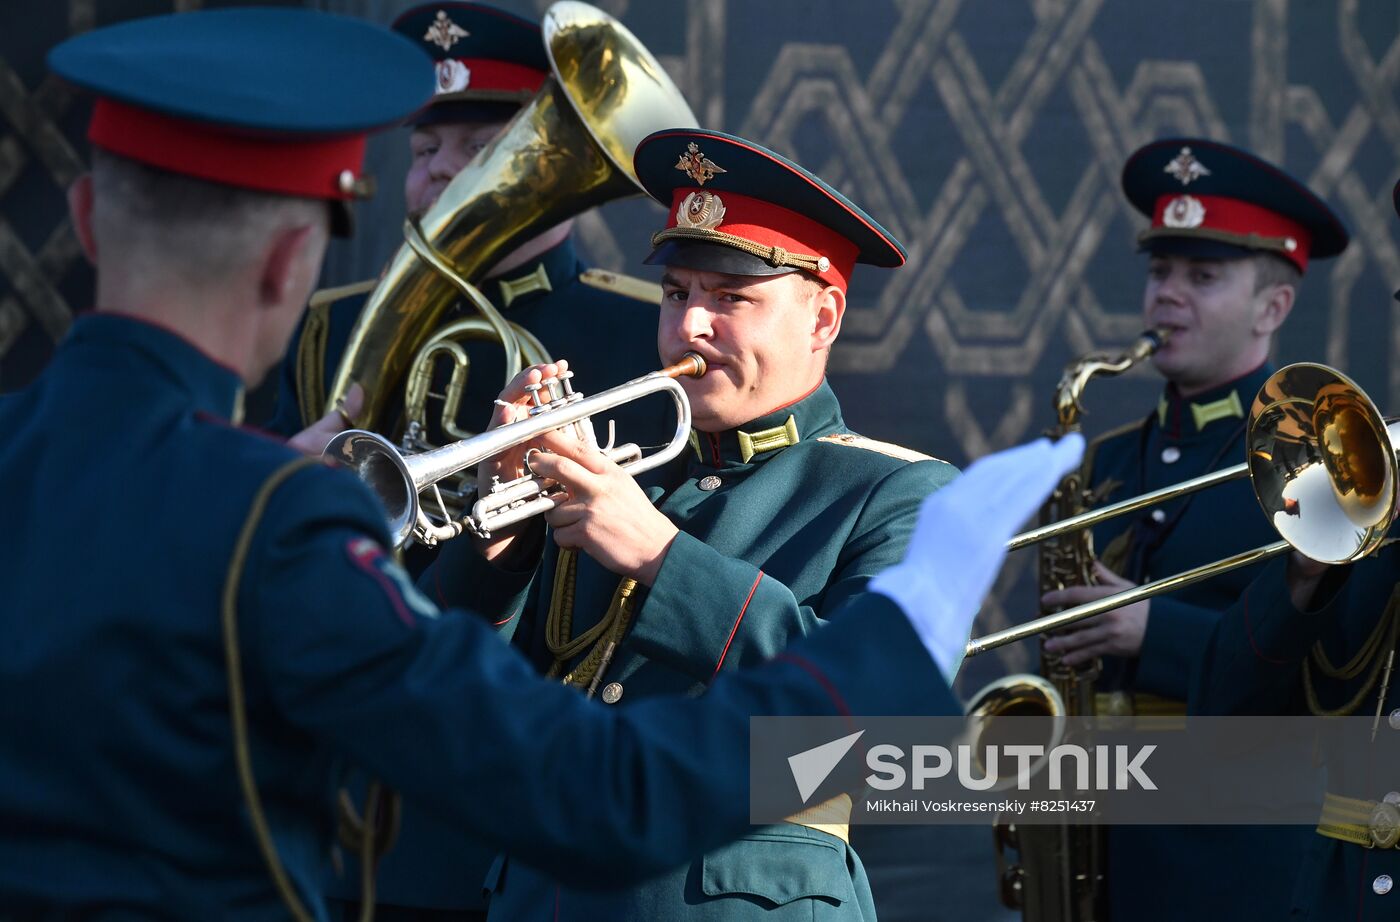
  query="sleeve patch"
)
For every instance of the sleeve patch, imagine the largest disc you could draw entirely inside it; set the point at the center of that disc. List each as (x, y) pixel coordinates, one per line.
(408, 602)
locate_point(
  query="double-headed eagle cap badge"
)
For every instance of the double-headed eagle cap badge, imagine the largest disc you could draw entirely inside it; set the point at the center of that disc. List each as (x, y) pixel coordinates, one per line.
(1185, 167)
(444, 32)
(697, 166)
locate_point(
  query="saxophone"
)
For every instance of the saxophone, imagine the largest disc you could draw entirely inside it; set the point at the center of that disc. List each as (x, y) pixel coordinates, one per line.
(1058, 874)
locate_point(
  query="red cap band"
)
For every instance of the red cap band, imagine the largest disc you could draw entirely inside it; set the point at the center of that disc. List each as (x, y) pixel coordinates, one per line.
(488, 75)
(312, 168)
(770, 225)
(1223, 218)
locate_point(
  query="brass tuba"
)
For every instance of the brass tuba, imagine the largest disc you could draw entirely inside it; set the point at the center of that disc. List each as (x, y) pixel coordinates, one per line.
(569, 150)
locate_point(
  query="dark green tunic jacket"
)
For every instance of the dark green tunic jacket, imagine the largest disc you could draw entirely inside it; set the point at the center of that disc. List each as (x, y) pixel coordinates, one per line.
(774, 537)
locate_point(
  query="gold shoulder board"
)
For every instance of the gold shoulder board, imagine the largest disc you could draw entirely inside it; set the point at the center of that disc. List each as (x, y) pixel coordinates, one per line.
(331, 295)
(885, 448)
(624, 285)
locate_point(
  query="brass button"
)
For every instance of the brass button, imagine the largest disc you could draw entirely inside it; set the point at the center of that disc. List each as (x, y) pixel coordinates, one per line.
(612, 693)
(1382, 884)
(1394, 719)
(1384, 825)
(709, 482)
(1171, 454)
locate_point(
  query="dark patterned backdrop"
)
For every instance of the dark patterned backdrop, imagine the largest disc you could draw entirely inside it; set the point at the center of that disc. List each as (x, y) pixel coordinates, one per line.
(986, 134)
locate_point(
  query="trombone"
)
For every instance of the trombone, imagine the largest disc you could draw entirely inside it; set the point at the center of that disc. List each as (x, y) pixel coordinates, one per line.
(1322, 461)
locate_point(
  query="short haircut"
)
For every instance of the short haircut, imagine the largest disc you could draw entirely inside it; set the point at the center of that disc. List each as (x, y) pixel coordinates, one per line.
(188, 227)
(1270, 270)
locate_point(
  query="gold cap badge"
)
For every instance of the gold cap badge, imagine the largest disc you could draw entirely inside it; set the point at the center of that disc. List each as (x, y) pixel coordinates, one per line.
(697, 166)
(444, 32)
(702, 210)
(1185, 167)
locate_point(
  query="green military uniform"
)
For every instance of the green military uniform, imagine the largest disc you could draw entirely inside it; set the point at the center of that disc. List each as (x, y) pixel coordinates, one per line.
(1208, 201)
(782, 521)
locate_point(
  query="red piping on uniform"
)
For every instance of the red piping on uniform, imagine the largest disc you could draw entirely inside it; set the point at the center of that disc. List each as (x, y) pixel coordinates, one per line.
(437, 587)
(795, 400)
(735, 629)
(821, 679)
(390, 590)
(205, 416)
(1249, 632)
(714, 449)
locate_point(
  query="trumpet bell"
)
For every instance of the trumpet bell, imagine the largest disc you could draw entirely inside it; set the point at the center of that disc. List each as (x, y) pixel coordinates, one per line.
(1322, 463)
(374, 460)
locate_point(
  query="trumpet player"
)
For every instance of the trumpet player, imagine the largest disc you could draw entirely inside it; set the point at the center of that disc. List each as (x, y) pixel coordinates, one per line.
(779, 516)
(1229, 240)
(1308, 639)
(175, 721)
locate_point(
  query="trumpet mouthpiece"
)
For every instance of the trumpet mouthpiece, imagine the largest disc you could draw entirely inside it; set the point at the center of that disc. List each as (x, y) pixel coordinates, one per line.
(691, 365)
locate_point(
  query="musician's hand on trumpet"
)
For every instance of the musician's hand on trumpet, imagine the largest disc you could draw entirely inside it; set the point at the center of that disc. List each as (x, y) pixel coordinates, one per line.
(1114, 633)
(513, 403)
(606, 515)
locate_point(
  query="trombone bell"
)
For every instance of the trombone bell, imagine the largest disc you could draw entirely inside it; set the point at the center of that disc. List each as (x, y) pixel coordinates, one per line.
(1323, 463)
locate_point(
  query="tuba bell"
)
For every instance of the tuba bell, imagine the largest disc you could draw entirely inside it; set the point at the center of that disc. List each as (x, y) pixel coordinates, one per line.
(568, 150)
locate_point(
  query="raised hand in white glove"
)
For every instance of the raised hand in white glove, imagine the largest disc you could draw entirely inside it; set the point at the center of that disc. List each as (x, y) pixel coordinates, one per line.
(960, 541)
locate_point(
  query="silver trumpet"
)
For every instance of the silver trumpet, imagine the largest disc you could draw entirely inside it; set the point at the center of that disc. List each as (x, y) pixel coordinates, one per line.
(398, 478)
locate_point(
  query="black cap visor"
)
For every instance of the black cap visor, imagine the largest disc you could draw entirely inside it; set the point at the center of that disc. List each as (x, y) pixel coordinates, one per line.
(711, 257)
(1197, 248)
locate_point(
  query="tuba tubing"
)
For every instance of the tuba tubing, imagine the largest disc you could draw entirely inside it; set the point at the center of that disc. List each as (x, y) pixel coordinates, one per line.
(567, 151)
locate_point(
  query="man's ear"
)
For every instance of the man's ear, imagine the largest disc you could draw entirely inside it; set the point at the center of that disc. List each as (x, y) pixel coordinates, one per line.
(80, 210)
(282, 263)
(1277, 305)
(831, 307)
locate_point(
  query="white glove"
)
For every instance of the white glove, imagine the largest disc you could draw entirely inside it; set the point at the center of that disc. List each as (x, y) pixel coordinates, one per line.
(960, 541)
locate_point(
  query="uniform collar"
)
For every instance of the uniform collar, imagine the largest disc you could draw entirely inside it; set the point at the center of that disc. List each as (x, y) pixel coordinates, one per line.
(550, 271)
(811, 416)
(214, 388)
(1228, 403)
